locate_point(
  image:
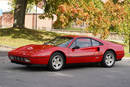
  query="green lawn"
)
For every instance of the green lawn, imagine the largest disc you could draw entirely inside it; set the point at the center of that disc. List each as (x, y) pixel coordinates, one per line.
(72, 29)
(127, 54)
(20, 37)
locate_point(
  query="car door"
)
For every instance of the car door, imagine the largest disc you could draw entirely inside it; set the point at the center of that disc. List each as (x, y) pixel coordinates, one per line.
(97, 57)
(82, 51)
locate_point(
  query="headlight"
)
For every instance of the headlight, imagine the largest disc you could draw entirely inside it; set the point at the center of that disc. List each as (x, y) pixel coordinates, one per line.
(26, 60)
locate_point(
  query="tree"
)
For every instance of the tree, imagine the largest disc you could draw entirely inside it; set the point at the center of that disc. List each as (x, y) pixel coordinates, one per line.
(22, 5)
(109, 18)
(19, 13)
(126, 24)
(100, 18)
(68, 13)
(20, 8)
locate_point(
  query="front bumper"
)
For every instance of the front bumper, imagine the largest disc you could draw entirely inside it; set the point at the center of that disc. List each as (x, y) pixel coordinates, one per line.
(28, 61)
(22, 63)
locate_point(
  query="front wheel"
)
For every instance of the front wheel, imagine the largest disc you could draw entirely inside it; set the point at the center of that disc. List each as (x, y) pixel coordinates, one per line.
(56, 62)
(108, 59)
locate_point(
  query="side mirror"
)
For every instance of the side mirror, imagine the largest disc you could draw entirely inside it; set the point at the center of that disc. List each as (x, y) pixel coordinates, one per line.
(76, 47)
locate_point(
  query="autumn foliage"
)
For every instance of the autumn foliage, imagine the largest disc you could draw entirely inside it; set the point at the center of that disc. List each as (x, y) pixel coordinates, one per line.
(99, 20)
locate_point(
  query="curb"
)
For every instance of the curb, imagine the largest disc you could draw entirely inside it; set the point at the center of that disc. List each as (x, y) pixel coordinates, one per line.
(7, 46)
(126, 58)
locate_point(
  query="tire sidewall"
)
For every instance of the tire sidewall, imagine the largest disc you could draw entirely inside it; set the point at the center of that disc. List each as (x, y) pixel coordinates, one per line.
(104, 58)
(50, 61)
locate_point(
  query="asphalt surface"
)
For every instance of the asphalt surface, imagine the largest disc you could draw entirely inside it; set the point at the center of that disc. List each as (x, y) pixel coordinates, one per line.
(88, 75)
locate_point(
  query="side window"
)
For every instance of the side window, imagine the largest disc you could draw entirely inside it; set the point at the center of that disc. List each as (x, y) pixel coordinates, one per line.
(65, 44)
(82, 43)
(96, 43)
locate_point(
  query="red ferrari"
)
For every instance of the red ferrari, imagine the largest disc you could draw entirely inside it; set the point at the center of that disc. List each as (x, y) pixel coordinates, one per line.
(68, 49)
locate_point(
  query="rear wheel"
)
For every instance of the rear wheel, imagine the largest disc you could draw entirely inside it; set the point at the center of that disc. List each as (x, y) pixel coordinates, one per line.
(108, 59)
(56, 62)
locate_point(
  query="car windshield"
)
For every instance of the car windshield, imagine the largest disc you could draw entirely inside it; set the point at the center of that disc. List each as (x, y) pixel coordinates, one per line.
(60, 41)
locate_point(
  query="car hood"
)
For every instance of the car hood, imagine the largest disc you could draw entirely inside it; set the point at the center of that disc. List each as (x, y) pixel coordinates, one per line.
(28, 50)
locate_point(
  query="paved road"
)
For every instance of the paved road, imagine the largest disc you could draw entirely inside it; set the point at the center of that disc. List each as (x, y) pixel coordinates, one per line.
(90, 75)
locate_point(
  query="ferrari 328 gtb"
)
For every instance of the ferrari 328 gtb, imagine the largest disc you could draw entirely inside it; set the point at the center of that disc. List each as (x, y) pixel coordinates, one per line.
(68, 49)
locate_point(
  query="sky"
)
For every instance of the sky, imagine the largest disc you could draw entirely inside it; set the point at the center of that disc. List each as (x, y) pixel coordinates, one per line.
(6, 7)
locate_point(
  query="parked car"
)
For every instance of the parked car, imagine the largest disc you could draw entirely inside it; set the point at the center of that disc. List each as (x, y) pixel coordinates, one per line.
(68, 49)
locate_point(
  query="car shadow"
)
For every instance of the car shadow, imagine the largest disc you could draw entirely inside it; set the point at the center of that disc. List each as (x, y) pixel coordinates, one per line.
(81, 66)
(29, 69)
(68, 67)
(41, 68)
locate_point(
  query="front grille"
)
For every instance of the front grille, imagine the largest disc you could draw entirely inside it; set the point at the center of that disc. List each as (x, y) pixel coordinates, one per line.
(17, 58)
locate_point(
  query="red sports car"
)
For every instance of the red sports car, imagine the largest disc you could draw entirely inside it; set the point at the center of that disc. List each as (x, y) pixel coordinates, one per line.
(68, 49)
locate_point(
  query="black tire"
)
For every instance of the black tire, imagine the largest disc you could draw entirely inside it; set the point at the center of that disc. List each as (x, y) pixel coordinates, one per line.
(106, 62)
(52, 65)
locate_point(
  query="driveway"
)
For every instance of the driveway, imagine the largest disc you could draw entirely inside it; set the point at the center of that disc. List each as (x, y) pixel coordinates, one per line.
(86, 75)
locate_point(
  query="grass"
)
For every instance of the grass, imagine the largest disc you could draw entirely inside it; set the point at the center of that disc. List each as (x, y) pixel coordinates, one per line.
(127, 54)
(72, 29)
(20, 37)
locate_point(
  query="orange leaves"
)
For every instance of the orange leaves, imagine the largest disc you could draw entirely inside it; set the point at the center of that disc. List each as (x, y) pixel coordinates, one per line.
(62, 18)
(79, 22)
(98, 20)
(68, 13)
(74, 10)
(62, 8)
(102, 19)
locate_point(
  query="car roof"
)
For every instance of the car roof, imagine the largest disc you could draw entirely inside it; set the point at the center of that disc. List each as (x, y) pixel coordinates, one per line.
(78, 36)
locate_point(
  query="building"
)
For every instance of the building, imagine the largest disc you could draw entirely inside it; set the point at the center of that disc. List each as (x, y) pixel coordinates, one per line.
(32, 19)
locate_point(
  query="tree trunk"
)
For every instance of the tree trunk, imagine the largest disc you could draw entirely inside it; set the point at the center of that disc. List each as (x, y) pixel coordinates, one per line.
(19, 13)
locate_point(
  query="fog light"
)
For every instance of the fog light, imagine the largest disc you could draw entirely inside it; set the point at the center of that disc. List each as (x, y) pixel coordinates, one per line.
(26, 60)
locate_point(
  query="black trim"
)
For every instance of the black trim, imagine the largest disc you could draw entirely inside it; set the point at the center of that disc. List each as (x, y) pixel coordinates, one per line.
(101, 44)
(21, 63)
(97, 41)
(27, 63)
(86, 56)
(81, 38)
